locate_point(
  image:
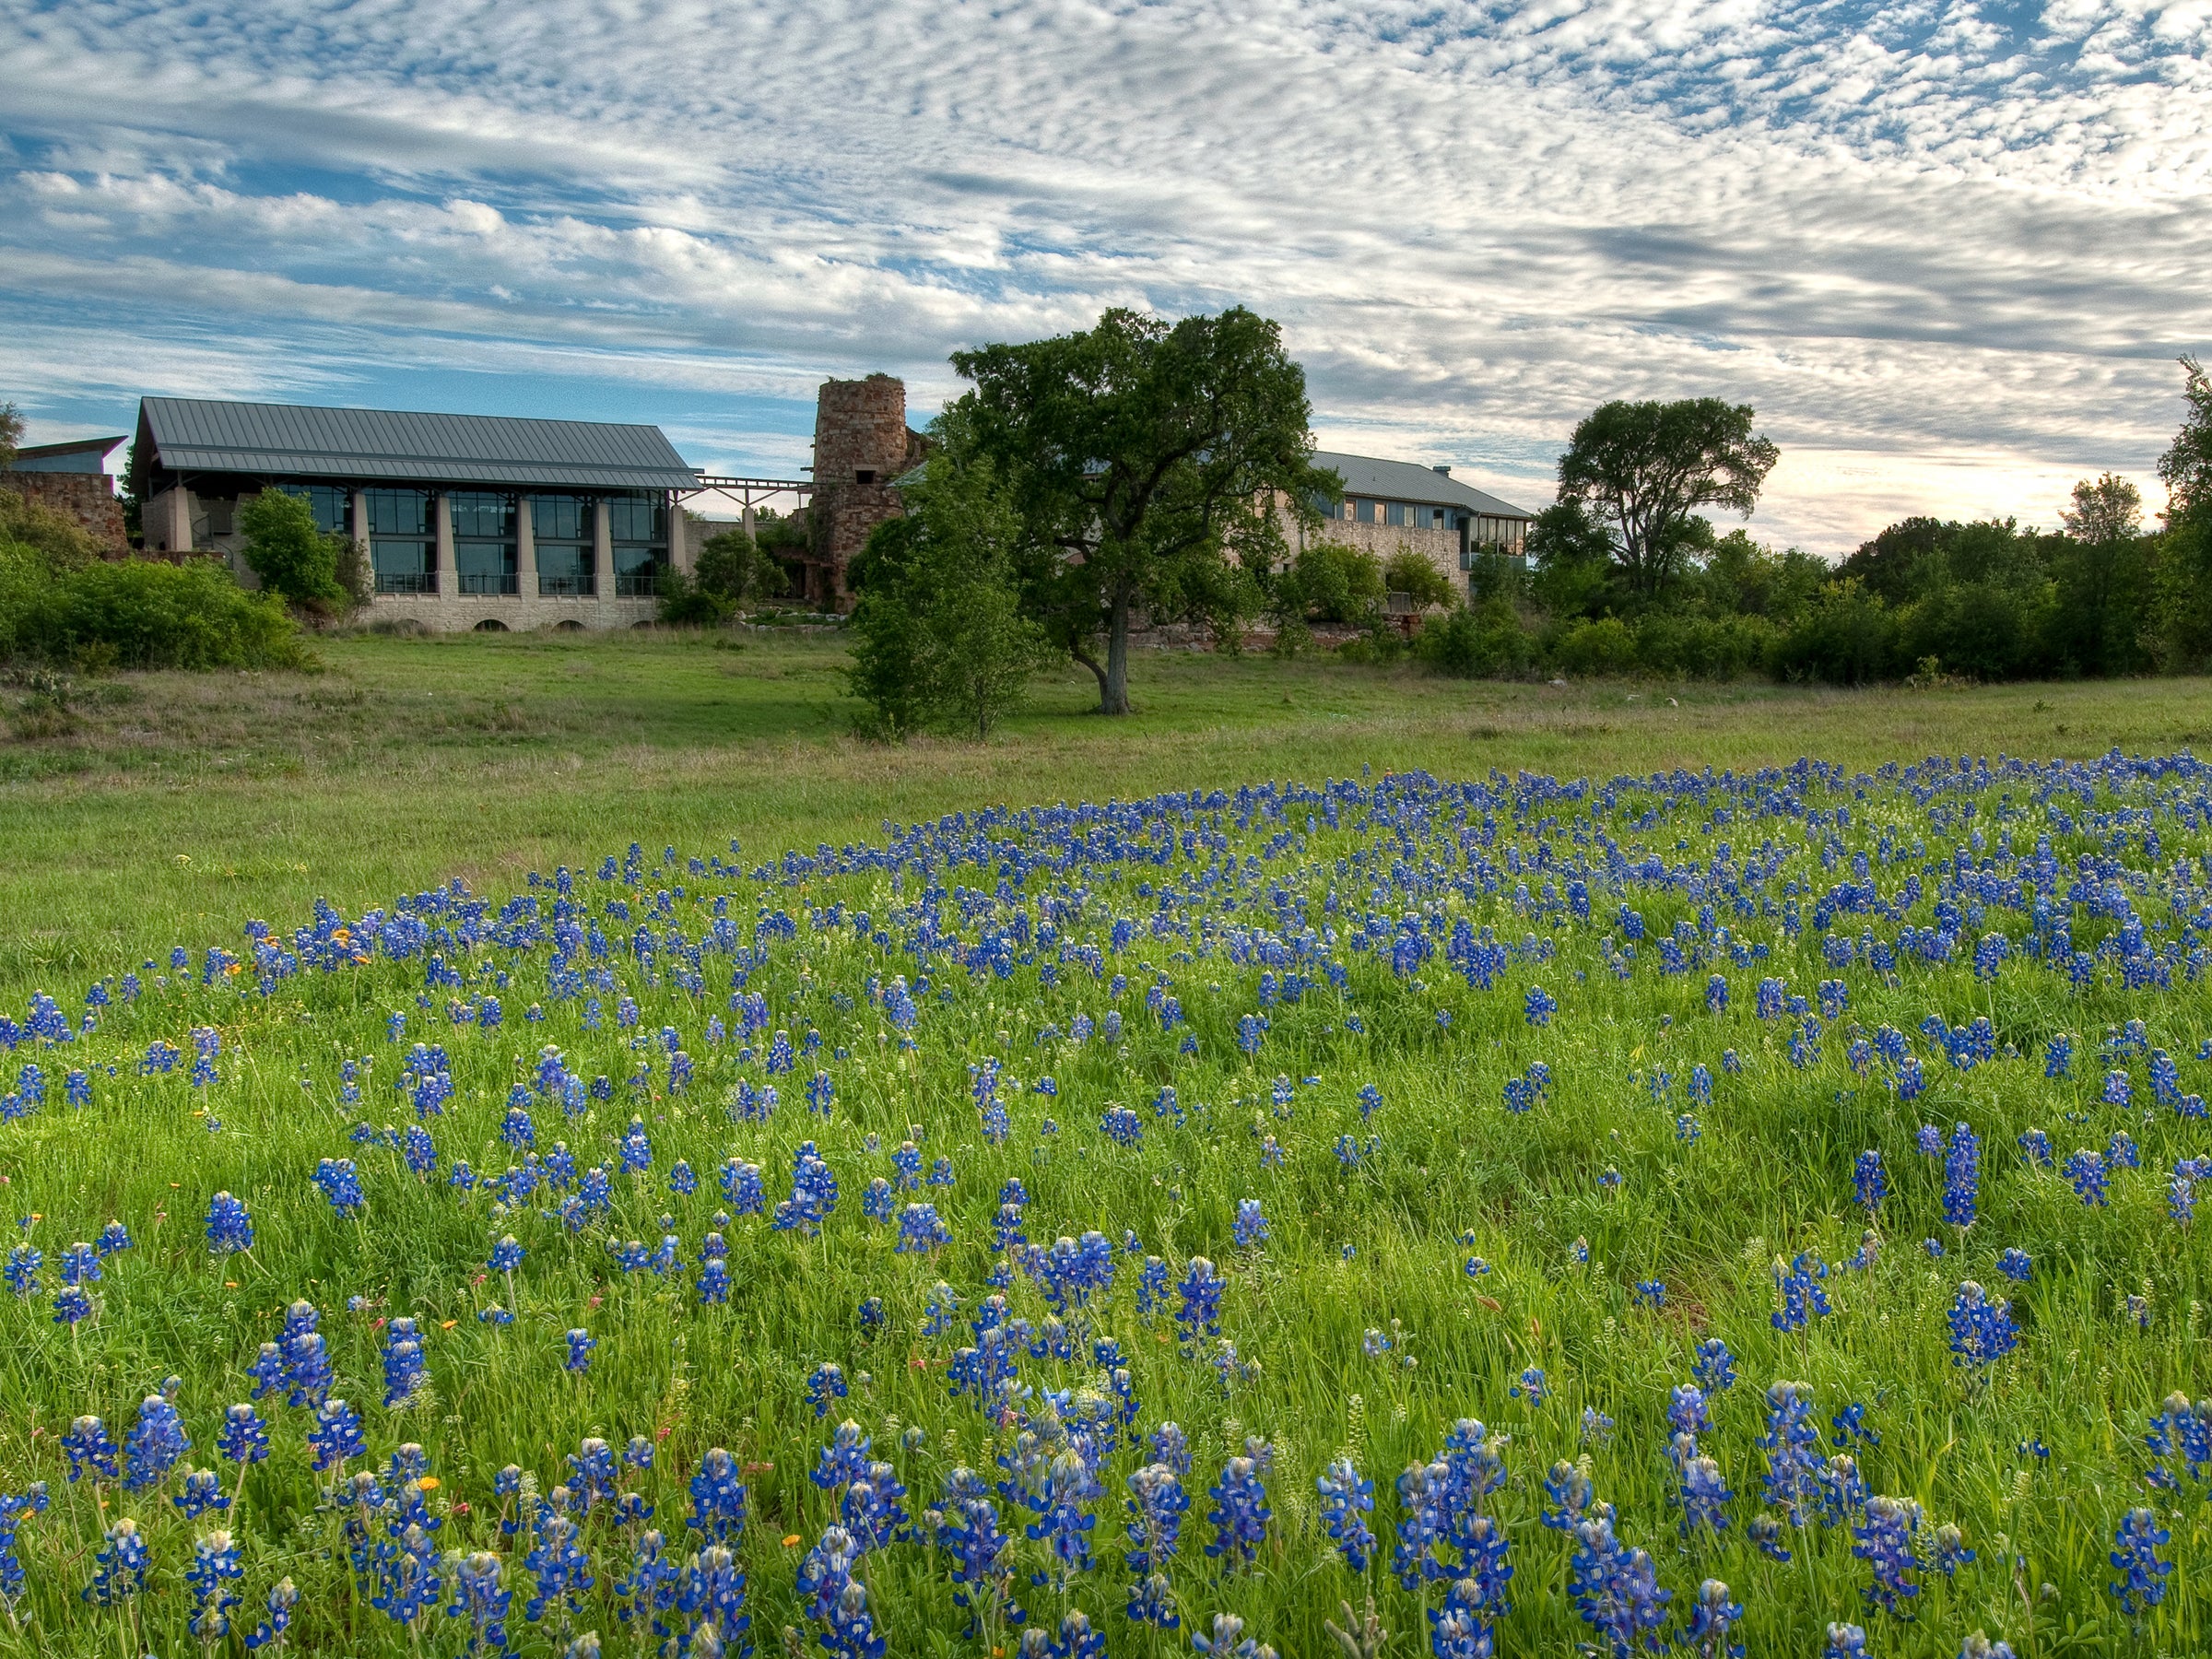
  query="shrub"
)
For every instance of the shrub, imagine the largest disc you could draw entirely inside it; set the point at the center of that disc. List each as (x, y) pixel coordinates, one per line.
(140, 613)
(1848, 637)
(1477, 642)
(1604, 646)
(1703, 647)
(1409, 573)
(58, 541)
(295, 561)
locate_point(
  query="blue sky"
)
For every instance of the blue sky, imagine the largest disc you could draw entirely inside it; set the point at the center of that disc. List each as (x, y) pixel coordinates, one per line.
(1948, 251)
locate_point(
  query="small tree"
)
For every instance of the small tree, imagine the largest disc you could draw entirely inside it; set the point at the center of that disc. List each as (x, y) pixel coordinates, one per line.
(1323, 581)
(734, 568)
(295, 561)
(11, 435)
(1418, 578)
(939, 633)
(2185, 568)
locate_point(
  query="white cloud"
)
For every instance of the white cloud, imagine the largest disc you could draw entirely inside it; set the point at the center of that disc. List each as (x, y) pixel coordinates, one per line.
(1947, 255)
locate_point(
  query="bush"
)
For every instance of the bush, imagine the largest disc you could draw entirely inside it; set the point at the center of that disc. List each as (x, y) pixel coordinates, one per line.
(1477, 642)
(1703, 647)
(1848, 637)
(1409, 573)
(686, 602)
(295, 561)
(139, 613)
(58, 542)
(1604, 646)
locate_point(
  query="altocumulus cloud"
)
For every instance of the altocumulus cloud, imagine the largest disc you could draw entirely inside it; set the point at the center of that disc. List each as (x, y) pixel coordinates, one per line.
(1948, 251)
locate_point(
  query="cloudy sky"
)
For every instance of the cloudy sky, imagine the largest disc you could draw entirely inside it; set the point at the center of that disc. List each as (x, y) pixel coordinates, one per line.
(1948, 251)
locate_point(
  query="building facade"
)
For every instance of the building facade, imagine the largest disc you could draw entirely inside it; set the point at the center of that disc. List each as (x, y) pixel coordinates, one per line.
(464, 520)
(71, 479)
(1393, 506)
(862, 445)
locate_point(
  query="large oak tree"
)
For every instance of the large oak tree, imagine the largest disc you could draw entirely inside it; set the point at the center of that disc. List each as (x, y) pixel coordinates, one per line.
(1642, 470)
(1148, 460)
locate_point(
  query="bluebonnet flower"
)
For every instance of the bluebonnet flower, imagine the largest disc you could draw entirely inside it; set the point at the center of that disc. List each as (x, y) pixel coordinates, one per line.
(121, 1562)
(1705, 1496)
(1884, 1539)
(336, 1435)
(1685, 1412)
(1539, 1006)
(1849, 1425)
(1240, 1513)
(1616, 1589)
(2085, 1172)
(1531, 1387)
(1711, 1622)
(1791, 1442)
(1845, 1641)
(157, 1440)
(1802, 1296)
(1950, 1552)
(1962, 1176)
(481, 1596)
(213, 1570)
(1870, 1182)
(1651, 1292)
(2035, 1146)
(22, 1269)
(921, 1230)
(826, 1384)
(340, 1184)
(581, 1344)
(2122, 1153)
(1062, 1524)
(244, 1439)
(2119, 1090)
(560, 1568)
(2142, 1583)
(1981, 1330)
(1347, 1497)
(1201, 1292)
(88, 1444)
(1714, 1366)
(2016, 1264)
(270, 1633)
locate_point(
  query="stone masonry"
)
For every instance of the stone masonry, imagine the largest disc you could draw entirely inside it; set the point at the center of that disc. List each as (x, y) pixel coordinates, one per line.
(86, 500)
(860, 444)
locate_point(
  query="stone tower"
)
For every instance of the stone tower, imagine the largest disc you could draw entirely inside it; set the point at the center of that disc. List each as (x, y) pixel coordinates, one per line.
(861, 443)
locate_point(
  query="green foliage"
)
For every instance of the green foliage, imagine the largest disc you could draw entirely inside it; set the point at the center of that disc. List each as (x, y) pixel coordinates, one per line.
(939, 635)
(11, 435)
(1570, 559)
(296, 561)
(1145, 461)
(1418, 578)
(1848, 638)
(57, 541)
(1323, 581)
(736, 570)
(1642, 470)
(2182, 619)
(139, 613)
(1481, 641)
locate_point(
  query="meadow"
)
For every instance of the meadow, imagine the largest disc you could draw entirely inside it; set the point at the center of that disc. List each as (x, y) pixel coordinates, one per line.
(555, 1147)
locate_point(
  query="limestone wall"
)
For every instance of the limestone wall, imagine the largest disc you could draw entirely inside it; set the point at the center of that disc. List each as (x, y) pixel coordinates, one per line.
(87, 499)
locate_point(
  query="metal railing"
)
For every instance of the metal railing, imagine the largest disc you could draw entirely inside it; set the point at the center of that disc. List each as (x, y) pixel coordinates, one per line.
(566, 587)
(490, 581)
(407, 581)
(637, 584)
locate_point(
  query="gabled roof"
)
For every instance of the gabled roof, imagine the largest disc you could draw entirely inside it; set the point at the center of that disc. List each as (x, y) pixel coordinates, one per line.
(1376, 479)
(290, 441)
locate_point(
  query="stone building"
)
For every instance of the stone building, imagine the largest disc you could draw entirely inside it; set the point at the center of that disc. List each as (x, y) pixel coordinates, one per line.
(71, 479)
(861, 446)
(465, 520)
(1390, 506)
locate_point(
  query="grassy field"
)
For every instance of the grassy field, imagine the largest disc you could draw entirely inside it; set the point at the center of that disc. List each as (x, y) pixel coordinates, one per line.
(1376, 1111)
(172, 807)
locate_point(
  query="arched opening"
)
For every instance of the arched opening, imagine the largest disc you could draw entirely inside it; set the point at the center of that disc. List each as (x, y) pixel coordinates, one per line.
(568, 625)
(491, 625)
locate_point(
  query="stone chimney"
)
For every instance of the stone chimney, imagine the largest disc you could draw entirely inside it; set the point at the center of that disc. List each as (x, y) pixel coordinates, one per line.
(861, 443)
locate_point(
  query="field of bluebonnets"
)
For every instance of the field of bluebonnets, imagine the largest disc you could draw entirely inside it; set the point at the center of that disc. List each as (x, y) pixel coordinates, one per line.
(1741, 1212)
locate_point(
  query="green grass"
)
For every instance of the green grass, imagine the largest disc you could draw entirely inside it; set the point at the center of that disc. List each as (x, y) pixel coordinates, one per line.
(173, 808)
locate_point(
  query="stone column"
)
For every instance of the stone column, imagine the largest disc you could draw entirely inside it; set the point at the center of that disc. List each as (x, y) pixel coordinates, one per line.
(525, 550)
(180, 519)
(449, 579)
(360, 535)
(679, 535)
(602, 555)
(745, 517)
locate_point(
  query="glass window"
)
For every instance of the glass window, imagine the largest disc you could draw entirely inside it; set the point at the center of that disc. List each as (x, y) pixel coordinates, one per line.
(1367, 512)
(638, 524)
(332, 506)
(403, 541)
(564, 530)
(484, 541)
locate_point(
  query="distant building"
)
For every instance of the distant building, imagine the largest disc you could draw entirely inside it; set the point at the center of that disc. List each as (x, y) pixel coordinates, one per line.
(862, 445)
(71, 479)
(1390, 505)
(467, 521)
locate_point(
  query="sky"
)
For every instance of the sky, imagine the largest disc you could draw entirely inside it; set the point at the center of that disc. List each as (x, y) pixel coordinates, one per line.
(1948, 252)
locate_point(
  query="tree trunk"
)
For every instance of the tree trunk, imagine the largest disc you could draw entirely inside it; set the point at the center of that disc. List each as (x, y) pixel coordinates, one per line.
(1097, 668)
(1113, 690)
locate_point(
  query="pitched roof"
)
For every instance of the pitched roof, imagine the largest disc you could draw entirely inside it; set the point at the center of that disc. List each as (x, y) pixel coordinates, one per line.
(1376, 479)
(299, 441)
(74, 455)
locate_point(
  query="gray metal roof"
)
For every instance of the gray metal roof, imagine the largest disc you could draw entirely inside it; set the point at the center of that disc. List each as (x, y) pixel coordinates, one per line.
(297, 441)
(1375, 479)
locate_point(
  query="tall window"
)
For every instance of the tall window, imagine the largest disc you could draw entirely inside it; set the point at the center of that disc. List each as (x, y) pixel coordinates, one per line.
(637, 523)
(403, 541)
(484, 541)
(332, 506)
(1365, 513)
(562, 526)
